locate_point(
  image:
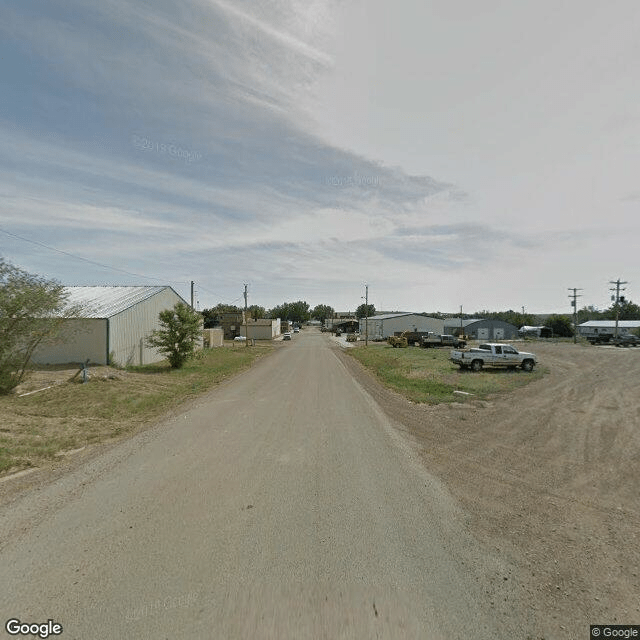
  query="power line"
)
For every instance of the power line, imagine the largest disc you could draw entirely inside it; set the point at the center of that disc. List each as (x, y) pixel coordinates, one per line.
(106, 266)
(99, 264)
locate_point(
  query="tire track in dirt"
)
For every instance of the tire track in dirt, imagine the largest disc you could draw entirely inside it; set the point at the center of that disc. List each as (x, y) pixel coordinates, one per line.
(549, 475)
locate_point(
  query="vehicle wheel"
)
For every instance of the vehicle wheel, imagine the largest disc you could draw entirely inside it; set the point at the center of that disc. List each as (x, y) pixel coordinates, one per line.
(527, 365)
(476, 365)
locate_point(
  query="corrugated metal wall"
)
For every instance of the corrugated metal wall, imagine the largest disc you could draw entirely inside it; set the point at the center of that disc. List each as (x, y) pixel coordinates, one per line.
(129, 329)
(383, 328)
(78, 341)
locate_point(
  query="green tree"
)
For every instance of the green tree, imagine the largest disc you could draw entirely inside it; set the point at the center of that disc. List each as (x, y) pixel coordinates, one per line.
(211, 316)
(176, 338)
(516, 318)
(628, 310)
(294, 311)
(561, 325)
(361, 311)
(323, 311)
(589, 313)
(32, 311)
(256, 311)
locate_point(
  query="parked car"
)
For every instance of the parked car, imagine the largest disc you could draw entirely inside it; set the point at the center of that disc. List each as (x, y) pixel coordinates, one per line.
(626, 340)
(296, 330)
(239, 339)
(286, 336)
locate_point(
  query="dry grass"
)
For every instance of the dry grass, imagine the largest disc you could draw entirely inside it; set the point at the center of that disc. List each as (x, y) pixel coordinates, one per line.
(427, 375)
(69, 415)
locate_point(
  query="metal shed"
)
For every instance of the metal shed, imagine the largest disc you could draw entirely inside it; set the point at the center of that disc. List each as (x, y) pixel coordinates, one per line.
(481, 329)
(112, 327)
(382, 326)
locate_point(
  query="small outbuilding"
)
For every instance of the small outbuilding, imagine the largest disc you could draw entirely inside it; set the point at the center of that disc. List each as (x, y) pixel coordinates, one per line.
(112, 327)
(261, 329)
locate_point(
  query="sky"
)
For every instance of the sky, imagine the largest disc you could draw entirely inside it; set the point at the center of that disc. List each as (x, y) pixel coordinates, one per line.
(482, 155)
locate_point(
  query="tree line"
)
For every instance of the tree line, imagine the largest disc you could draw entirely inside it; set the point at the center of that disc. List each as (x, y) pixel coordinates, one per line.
(33, 309)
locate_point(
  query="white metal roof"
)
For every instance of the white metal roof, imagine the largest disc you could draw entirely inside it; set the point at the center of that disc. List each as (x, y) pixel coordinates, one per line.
(107, 301)
(625, 324)
(388, 316)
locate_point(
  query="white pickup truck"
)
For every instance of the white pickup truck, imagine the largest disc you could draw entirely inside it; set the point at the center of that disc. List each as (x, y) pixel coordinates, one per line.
(493, 355)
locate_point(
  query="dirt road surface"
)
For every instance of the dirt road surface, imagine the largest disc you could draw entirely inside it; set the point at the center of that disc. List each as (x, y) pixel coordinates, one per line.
(302, 500)
(549, 477)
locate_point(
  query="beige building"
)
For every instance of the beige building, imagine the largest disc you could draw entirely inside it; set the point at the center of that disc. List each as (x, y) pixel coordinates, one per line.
(261, 329)
(112, 327)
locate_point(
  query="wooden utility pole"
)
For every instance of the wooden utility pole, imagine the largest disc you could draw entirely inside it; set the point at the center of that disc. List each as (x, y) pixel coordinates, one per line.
(618, 299)
(246, 318)
(366, 315)
(575, 295)
(192, 296)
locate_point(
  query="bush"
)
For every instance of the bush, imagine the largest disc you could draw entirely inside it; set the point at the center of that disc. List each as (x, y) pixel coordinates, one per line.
(32, 309)
(176, 339)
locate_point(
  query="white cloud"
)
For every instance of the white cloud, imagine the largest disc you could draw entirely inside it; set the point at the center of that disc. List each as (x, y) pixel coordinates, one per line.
(475, 155)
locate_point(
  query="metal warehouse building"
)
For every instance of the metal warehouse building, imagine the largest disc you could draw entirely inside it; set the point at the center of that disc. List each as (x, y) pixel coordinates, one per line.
(480, 329)
(601, 328)
(111, 327)
(383, 326)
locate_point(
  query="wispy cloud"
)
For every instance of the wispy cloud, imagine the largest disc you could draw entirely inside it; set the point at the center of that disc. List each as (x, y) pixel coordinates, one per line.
(186, 139)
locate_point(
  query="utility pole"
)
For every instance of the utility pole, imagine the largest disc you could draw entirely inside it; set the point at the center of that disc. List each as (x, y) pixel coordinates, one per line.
(246, 318)
(575, 295)
(618, 299)
(192, 297)
(461, 327)
(366, 315)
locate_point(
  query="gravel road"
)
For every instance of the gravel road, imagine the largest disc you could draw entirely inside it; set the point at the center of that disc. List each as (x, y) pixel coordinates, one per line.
(284, 504)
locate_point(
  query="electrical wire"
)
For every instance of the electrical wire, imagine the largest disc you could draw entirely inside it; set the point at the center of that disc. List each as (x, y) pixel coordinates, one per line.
(99, 264)
(106, 266)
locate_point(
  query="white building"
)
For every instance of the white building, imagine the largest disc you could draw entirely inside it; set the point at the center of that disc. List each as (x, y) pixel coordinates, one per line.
(112, 326)
(604, 328)
(382, 326)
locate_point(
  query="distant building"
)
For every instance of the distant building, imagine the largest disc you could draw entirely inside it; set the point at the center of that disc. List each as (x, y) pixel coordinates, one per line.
(380, 327)
(261, 329)
(231, 323)
(527, 331)
(112, 326)
(481, 329)
(606, 328)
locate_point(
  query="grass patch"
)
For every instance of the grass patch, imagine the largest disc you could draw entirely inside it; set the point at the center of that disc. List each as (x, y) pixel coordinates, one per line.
(427, 375)
(37, 427)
